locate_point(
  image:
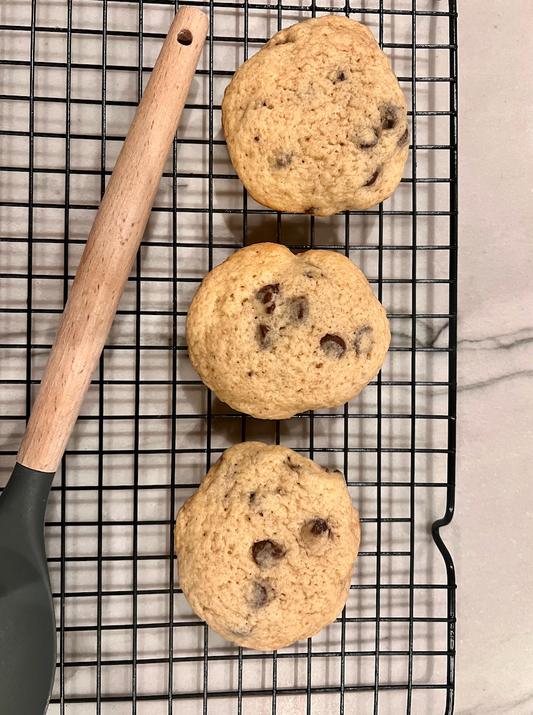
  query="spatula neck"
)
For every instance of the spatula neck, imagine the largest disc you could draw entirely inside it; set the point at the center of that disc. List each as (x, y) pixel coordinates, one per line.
(23, 501)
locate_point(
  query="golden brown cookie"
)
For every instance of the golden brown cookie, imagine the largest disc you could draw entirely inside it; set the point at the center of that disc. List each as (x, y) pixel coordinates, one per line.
(266, 546)
(316, 122)
(273, 333)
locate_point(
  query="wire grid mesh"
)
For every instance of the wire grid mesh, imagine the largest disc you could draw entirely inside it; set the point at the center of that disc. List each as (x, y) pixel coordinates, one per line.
(72, 75)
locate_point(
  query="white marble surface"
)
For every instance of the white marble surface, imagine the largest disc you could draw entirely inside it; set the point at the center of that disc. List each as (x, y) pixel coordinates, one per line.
(493, 527)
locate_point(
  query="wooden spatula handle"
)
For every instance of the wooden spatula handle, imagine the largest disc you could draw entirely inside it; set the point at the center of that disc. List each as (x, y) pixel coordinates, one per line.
(112, 245)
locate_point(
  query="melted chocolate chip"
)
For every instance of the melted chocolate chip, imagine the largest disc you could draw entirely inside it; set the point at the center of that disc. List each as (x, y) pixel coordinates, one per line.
(333, 345)
(251, 497)
(319, 526)
(260, 595)
(364, 340)
(298, 309)
(267, 553)
(389, 116)
(315, 529)
(340, 77)
(282, 161)
(402, 141)
(292, 465)
(331, 471)
(263, 337)
(241, 633)
(373, 178)
(311, 210)
(266, 293)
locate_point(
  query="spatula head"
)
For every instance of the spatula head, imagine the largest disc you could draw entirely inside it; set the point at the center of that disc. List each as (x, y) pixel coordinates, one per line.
(27, 623)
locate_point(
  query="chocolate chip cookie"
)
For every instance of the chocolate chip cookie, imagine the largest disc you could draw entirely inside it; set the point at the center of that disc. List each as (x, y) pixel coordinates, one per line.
(316, 122)
(273, 333)
(266, 546)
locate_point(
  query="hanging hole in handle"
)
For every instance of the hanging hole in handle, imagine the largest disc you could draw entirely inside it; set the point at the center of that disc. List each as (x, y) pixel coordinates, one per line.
(185, 37)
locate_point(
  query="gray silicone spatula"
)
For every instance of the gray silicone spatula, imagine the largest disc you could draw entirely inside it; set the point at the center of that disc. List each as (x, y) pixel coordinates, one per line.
(27, 624)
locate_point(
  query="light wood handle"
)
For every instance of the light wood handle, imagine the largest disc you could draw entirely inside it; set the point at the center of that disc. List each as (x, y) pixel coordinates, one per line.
(112, 245)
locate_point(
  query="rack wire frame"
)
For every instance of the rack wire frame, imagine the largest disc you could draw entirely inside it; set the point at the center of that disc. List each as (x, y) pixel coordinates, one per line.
(306, 690)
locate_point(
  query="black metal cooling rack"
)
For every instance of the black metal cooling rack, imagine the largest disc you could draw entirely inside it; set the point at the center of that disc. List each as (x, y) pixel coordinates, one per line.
(72, 74)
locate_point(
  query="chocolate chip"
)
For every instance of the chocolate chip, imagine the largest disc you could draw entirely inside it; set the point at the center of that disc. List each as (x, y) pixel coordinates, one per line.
(333, 345)
(256, 139)
(364, 340)
(292, 465)
(331, 471)
(263, 337)
(319, 526)
(402, 141)
(251, 373)
(389, 116)
(282, 161)
(240, 633)
(266, 293)
(267, 553)
(298, 309)
(340, 77)
(267, 296)
(312, 210)
(315, 529)
(251, 497)
(373, 178)
(303, 309)
(260, 595)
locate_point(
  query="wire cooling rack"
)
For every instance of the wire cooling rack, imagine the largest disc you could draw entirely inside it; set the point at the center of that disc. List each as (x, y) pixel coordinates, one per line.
(72, 75)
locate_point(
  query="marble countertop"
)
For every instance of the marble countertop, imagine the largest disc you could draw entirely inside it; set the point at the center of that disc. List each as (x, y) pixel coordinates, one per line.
(491, 534)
